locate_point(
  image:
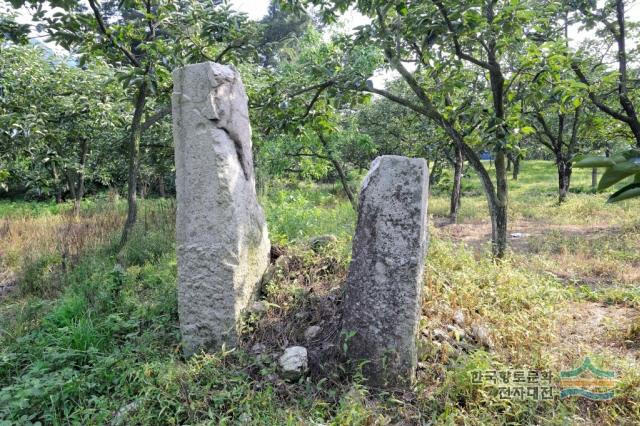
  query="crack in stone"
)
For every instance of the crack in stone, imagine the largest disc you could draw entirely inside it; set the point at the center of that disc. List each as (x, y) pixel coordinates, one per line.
(238, 147)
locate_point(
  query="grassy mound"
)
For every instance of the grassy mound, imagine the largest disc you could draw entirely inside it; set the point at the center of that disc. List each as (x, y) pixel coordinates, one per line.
(86, 341)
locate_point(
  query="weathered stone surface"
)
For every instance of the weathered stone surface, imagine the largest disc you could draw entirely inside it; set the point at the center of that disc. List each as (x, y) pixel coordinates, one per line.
(222, 241)
(381, 310)
(312, 332)
(482, 336)
(458, 317)
(294, 362)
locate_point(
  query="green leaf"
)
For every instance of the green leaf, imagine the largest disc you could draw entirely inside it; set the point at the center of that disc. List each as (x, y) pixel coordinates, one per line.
(595, 161)
(401, 8)
(631, 154)
(618, 172)
(630, 191)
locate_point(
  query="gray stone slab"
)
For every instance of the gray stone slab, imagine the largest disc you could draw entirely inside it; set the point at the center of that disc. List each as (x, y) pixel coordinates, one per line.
(383, 295)
(222, 242)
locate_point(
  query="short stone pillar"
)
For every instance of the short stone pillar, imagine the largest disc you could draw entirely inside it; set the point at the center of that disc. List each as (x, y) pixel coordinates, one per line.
(222, 242)
(383, 297)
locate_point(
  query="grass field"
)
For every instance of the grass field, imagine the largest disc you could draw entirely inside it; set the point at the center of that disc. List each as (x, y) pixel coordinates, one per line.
(84, 340)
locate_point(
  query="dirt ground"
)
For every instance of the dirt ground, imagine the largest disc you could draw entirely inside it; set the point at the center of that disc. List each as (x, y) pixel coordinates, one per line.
(565, 251)
(478, 234)
(582, 328)
(590, 327)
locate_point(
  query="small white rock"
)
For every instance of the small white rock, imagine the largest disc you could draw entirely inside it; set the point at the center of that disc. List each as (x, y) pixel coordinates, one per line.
(439, 334)
(258, 348)
(259, 307)
(123, 412)
(481, 334)
(293, 362)
(458, 317)
(311, 332)
(322, 241)
(245, 419)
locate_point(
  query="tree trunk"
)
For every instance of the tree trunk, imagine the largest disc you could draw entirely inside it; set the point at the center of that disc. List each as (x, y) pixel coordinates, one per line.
(161, 188)
(76, 203)
(72, 185)
(134, 163)
(496, 80)
(497, 225)
(594, 179)
(58, 194)
(56, 182)
(345, 184)
(509, 161)
(516, 168)
(434, 173)
(456, 190)
(343, 177)
(564, 176)
(500, 240)
(79, 192)
(487, 184)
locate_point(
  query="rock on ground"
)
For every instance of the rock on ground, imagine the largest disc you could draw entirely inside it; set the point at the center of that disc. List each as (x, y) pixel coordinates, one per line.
(321, 241)
(481, 333)
(294, 362)
(383, 297)
(222, 243)
(312, 332)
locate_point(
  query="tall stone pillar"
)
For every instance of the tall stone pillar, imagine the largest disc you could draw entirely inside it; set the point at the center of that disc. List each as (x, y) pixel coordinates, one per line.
(222, 242)
(382, 305)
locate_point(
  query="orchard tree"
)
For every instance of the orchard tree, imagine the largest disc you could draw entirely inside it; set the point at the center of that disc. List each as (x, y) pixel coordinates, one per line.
(456, 47)
(553, 110)
(614, 91)
(313, 114)
(396, 130)
(55, 118)
(280, 32)
(145, 40)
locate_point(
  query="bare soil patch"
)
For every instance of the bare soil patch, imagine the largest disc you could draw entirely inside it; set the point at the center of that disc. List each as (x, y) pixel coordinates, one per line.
(478, 234)
(585, 328)
(565, 251)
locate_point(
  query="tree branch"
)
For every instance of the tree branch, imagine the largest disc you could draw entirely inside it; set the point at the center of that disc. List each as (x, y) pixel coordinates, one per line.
(157, 116)
(401, 101)
(105, 31)
(546, 130)
(456, 43)
(595, 99)
(310, 88)
(236, 44)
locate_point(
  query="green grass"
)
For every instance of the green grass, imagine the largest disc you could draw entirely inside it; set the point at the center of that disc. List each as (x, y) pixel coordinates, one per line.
(297, 213)
(105, 345)
(30, 209)
(9, 209)
(534, 196)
